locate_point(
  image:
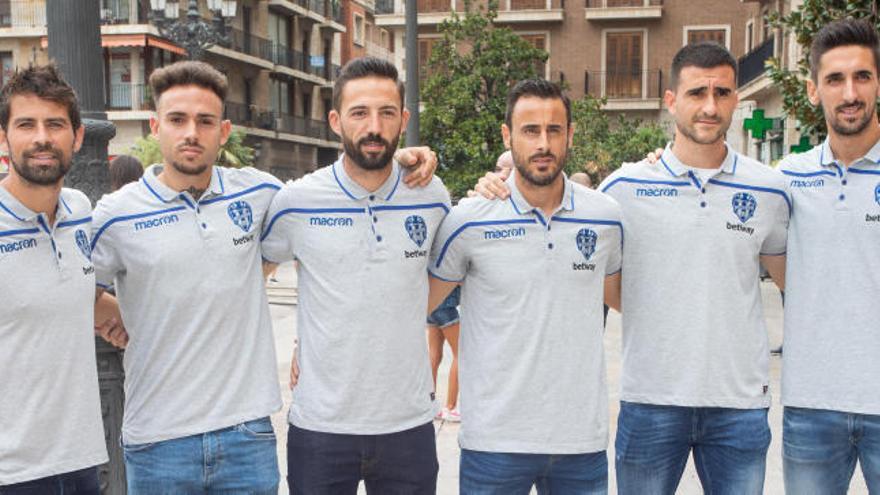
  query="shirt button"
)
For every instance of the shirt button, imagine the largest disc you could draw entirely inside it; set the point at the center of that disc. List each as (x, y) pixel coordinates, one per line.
(703, 204)
(375, 219)
(59, 255)
(378, 238)
(204, 226)
(843, 182)
(703, 190)
(372, 197)
(550, 246)
(842, 197)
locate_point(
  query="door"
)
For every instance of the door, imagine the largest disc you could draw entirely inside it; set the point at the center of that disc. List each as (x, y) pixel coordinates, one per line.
(623, 65)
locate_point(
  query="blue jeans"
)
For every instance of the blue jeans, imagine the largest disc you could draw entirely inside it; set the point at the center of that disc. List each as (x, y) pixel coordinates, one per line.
(321, 463)
(447, 313)
(82, 482)
(820, 449)
(653, 443)
(490, 473)
(239, 459)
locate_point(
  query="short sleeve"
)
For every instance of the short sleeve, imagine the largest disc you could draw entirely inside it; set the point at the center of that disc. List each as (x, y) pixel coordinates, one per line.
(448, 255)
(278, 229)
(776, 240)
(105, 252)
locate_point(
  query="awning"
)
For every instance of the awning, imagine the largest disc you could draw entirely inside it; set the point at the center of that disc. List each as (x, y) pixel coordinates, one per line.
(121, 40)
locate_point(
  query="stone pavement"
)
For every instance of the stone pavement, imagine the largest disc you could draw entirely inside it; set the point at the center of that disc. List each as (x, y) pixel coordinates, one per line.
(282, 299)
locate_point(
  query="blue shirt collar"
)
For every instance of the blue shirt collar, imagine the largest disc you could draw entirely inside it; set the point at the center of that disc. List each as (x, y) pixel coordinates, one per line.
(676, 168)
(826, 156)
(354, 190)
(521, 206)
(11, 206)
(166, 194)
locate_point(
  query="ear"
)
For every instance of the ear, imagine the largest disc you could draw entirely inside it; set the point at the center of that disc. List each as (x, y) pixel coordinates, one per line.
(813, 92)
(669, 101)
(154, 126)
(4, 143)
(406, 116)
(225, 131)
(335, 124)
(505, 134)
(78, 136)
(571, 135)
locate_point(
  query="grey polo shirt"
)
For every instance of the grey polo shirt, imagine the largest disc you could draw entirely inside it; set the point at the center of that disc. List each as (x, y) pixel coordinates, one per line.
(189, 280)
(693, 325)
(531, 361)
(833, 273)
(50, 410)
(363, 290)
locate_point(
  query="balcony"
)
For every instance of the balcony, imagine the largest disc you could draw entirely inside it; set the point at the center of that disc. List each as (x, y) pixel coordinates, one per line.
(288, 58)
(379, 51)
(246, 47)
(133, 97)
(626, 90)
(328, 13)
(612, 10)
(267, 122)
(752, 64)
(26, 17)
(433, 12)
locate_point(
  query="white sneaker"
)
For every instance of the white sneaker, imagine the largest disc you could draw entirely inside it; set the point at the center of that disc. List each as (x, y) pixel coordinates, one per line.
(451, 416)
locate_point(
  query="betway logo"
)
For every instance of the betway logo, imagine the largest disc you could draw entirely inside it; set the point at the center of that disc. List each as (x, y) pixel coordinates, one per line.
(156, 222)
(655, 192)
(504, 234)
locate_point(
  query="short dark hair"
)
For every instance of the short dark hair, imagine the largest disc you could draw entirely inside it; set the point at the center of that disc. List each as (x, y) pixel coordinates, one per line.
(188, 73)
(540, 88)
(844, 32)
(45, 82)
(125, 169)
(360, 68)
(705, 55)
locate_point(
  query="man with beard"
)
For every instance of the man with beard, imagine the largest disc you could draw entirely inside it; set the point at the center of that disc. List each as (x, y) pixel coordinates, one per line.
(50, 411)
(830, 385)
(546, 252)
(363, 403)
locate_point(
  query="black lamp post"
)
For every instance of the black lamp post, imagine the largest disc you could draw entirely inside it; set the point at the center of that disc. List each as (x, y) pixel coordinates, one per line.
(190, 31)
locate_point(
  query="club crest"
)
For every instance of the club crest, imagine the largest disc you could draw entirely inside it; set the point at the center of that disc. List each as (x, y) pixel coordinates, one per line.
(241, 214)
(744, 205)
(586, 242)
(82, 242)
(417, 229)
(877, 193)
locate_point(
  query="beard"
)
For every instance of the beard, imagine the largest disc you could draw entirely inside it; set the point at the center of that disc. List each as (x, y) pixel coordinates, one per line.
(691, 133)
(41, 175)
(845, 128)
(368, 161)
(197, 169)
(522, 167)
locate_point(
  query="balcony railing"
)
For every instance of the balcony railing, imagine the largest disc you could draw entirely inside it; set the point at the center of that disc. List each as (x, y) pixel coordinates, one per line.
(115, 12)
(379, 51)
(247, 43)
(270, 120)
(124, 96)
(22, 13)
(620, 85)
(752, 65)
(613, 4)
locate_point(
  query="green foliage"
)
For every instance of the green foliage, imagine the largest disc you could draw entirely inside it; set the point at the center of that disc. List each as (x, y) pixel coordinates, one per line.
(233, 154)
(601, 145)
(471, 70)
(803, 24)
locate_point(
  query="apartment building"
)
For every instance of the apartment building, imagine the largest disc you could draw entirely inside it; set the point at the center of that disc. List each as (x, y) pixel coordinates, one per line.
(281, 59)
(761, 128)
(362, 37)
(617, 49)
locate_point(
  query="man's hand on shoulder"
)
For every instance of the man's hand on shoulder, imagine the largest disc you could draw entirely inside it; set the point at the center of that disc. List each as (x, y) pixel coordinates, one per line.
(421, 163)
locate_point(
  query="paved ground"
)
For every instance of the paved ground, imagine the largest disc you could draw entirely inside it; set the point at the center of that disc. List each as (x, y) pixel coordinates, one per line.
(282, 302)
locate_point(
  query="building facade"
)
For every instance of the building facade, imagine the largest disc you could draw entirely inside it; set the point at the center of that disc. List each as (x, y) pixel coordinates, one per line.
(281, 60)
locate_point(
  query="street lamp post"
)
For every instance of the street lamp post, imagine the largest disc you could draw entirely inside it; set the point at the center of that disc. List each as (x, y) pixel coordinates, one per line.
(191, 31)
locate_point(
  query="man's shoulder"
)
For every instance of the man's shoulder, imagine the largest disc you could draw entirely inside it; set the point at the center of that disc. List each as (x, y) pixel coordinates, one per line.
(588, 202)
(317, 186)
(801, 163)
(758, 173)
(127, 200)
(75, 200)
(642, 171)
(434, 192)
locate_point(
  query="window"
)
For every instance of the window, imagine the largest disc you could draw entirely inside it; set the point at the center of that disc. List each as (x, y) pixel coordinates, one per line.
(7, 67)
(426, 46)
(384, 39)
(623, 64)
(765, 24)
(280, 97)
(750, 36)
(539, 41)
(716, 35)
(359, 29)
(279, 29)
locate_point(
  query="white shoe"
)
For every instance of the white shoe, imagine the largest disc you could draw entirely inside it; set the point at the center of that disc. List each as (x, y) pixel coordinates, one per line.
(451, 416)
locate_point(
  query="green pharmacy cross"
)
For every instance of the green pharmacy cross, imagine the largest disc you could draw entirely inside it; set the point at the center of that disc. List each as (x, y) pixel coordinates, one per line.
(802, 146)
(758, 124)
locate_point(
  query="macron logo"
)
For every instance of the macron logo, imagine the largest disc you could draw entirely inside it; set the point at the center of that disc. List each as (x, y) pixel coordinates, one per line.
(808, 183)
(504, 234)
(23, 244)
(156, 222)
(656, 192)
(331, 221)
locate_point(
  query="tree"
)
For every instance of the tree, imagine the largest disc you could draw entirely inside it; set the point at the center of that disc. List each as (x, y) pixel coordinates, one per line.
(232, 154)
(471, 69)
(601, 145)
(803, 24)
